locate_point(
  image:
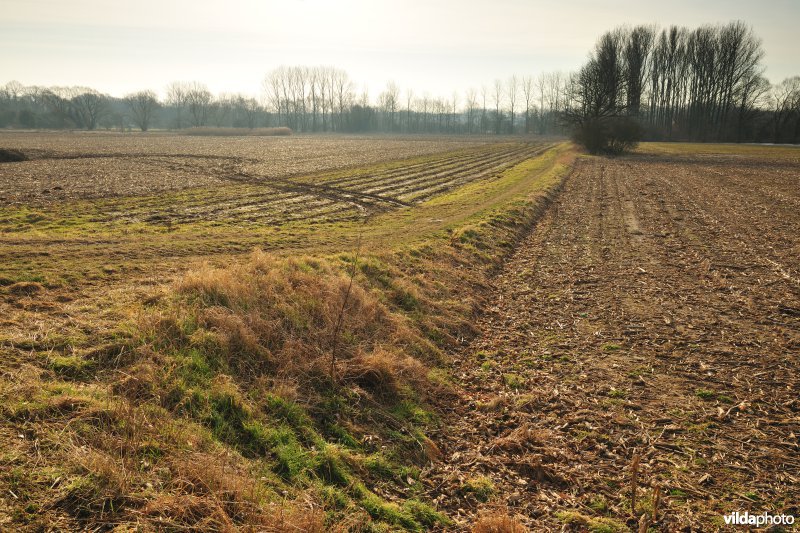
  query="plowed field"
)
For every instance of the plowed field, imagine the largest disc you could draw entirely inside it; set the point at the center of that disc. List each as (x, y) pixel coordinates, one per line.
(106, 202)
(648, 329)
(84, 165)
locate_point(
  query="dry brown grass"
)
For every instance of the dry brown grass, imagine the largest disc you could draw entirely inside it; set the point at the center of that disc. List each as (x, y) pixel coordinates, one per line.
(279, 317)
(498, 521)
(25, 288)
(524, 438)
(98, 461)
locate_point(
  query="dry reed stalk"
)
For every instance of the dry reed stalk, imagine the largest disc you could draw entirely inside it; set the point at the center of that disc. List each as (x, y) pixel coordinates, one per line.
(634, 481)
(656, 502)
(340, 317)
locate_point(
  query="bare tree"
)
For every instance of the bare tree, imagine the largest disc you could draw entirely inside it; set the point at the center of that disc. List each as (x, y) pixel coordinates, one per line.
(388, 100)
(198, 102)
(556, 102)
(497, 96)
(57, 103)
(598, 109)
(409, 100)
(637, 61)
(88, 107)
(484, 124)
(454, 107)
(272, 90)
(220, 109)
(472, 104)
(142, 105)
(541, 85)
(786, 109)
(13, 90)
(176, 97)
(527, 93)
(513, 85)
(249, 109)
(323, 80)
(703, 84)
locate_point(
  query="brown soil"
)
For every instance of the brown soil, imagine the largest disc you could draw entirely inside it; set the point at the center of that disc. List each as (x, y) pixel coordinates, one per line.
(652, 317)
(70, 166)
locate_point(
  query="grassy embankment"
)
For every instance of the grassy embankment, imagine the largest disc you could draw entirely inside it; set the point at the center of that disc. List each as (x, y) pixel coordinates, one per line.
(277, 391)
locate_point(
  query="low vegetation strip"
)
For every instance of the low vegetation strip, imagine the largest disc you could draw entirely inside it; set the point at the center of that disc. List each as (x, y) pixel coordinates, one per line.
(236, 132)
(278, 392)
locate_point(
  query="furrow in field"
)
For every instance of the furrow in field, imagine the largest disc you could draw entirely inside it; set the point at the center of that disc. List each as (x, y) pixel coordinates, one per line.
(444, 181)
(451, 166)
(441, 174)
(449, 159)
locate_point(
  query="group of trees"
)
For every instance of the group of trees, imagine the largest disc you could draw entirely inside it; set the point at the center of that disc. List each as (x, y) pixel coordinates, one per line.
(186, 105)
(699, 84)
(312, 99)
(79, 107)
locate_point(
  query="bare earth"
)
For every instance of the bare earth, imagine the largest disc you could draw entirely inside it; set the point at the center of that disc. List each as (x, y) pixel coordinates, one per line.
(653, 313)
(99, 165)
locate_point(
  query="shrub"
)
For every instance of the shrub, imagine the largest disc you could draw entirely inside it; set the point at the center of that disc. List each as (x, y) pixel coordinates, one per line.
(609, 135)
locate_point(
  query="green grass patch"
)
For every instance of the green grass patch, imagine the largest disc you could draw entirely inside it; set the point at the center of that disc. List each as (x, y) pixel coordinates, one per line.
(617, 393)
(513, 381)
(594, 524)
(705, 394)
(481, 487)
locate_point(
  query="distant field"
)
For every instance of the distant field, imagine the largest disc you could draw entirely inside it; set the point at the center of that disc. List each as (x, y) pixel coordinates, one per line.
(85, 165)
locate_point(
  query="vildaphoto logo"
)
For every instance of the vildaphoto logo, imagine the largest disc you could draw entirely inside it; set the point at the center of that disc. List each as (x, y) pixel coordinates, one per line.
(758, 520)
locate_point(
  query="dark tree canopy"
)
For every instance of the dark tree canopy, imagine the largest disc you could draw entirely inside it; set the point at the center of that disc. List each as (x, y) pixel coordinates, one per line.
(703, 84)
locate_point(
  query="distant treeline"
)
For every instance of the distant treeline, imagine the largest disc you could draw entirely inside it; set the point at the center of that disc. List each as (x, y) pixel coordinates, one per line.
(305, 99)
(703, 84)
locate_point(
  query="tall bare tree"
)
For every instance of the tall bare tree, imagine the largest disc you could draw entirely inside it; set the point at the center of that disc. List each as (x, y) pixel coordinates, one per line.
(497, 96)
(409, 101)
(512, 87)
(484, 122)
(636, 54)
(472, 105)
(527, 93)
(388, 101)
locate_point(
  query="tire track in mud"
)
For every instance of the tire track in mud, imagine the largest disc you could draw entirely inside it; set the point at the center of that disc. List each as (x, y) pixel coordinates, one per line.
(617, 331)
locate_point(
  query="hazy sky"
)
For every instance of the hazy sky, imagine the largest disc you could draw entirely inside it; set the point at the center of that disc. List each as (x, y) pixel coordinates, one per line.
(434, 46)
